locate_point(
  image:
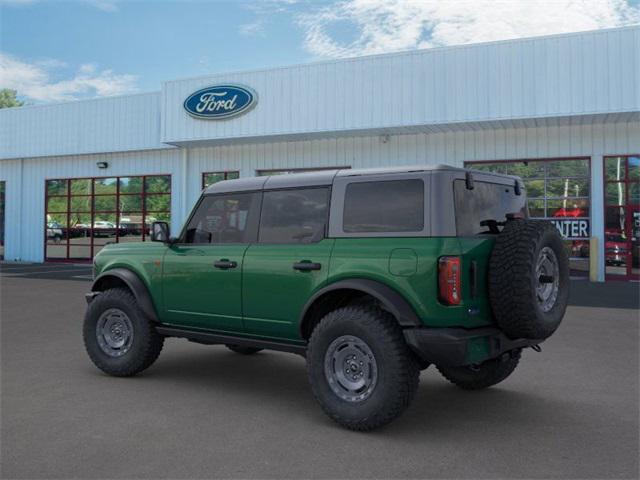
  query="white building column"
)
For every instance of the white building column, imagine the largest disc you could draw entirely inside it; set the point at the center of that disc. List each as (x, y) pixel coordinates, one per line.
(597, 211)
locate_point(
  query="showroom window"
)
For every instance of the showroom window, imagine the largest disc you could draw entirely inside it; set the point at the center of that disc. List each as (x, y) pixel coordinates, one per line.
(2, 187)
(558, 190)
(262, 173)
(622, 217)
(209, 178)
(84, 214)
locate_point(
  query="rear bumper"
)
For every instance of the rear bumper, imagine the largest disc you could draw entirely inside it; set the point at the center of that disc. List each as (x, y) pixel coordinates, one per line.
(455, 347)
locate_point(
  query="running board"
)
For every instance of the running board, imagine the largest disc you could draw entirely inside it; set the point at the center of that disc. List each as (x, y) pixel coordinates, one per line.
(209, 338)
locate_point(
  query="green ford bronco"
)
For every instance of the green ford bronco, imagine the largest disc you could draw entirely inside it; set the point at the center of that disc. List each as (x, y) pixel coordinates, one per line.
(372, 275)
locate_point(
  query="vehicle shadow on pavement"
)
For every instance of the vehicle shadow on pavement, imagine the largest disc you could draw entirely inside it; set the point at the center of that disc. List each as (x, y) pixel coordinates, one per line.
(274, 381)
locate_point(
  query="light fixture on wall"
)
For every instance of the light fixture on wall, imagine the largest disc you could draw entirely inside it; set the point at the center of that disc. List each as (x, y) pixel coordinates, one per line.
(102, 164)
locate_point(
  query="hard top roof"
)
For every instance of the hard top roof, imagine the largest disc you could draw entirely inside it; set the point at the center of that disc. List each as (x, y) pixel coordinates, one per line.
(323, 177)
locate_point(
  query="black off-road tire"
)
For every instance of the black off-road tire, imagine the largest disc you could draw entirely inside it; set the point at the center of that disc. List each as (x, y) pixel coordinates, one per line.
(484, 375)
(397, 370)
(513, 281)
(146, 343)
(243, 350)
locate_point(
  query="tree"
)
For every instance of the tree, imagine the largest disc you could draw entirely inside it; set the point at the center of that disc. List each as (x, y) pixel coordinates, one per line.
(8, 98)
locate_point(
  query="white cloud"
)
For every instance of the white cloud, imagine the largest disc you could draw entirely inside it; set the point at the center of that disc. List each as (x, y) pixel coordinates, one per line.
(252, 28)
(34, 80)
(391, 25)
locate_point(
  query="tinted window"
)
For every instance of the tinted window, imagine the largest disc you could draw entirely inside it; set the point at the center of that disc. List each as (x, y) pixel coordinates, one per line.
(294, 216)
(225, 219)
(389, 206)
(487, 201)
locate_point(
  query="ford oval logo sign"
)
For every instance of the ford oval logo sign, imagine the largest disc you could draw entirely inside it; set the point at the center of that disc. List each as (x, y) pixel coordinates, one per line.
(220, 101)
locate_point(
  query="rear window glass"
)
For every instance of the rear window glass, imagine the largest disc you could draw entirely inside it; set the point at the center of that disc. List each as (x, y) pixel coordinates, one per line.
(386, 206)
(487, 201)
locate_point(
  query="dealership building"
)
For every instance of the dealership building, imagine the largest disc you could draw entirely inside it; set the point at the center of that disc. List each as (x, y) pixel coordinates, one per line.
(561, 111)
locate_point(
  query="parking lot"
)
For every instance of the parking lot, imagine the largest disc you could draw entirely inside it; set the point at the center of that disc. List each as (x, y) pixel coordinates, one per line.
(570, 411)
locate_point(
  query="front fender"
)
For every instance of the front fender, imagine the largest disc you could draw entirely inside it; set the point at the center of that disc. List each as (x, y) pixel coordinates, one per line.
(131, 280)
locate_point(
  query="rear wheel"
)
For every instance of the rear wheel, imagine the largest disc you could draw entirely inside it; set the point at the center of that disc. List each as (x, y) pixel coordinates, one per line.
(477, 377)
(242, 350)
(360, 368)
(118, 337)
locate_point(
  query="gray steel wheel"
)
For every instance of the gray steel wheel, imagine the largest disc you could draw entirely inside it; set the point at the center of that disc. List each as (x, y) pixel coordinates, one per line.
(350, 368)
(114, 332)
(548, 276)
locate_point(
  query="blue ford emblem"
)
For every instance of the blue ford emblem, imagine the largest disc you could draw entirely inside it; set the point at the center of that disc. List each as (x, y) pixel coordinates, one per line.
(220, 101)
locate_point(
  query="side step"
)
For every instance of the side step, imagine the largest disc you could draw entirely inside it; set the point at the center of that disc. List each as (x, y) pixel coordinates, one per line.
(209, 338)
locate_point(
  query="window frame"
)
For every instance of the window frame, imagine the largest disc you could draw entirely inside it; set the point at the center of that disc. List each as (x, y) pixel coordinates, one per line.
(94, 245)
(336, 214)
(325, 233)
(225, 173)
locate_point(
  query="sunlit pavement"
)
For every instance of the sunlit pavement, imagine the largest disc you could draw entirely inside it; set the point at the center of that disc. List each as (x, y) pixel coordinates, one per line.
(201, 412)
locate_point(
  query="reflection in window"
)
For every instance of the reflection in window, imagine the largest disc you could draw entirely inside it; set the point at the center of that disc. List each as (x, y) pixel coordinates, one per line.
(83, 214)
(294, 216)
(225, 219)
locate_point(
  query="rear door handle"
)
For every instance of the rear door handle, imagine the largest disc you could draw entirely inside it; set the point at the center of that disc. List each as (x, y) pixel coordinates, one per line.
(306, 266)
(225, 264)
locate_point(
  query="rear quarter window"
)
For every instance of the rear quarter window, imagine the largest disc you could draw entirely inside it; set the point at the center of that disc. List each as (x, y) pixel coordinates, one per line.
(487, 201)
(384, 206)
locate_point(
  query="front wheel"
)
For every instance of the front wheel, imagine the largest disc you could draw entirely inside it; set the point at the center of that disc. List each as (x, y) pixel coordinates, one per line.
(487, 374)
(361, 371)
(118, 337)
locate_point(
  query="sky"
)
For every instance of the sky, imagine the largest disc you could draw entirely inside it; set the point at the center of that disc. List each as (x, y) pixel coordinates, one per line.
(54, 50)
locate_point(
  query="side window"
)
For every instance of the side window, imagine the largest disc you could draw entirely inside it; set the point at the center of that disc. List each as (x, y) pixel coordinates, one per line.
(385, 206)
(231, 218)
(294, 216)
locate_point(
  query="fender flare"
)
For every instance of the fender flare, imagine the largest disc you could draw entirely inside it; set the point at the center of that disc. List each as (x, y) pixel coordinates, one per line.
(135, 284)
(388, 297)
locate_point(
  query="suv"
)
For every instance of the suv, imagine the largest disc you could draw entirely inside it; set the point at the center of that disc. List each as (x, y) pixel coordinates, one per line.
(372, 275)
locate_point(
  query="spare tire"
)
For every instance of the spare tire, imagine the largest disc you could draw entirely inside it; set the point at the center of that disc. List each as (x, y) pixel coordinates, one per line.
(528, 279)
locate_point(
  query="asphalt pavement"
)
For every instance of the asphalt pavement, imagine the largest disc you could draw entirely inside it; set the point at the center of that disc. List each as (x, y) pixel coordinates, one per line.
(571, 411)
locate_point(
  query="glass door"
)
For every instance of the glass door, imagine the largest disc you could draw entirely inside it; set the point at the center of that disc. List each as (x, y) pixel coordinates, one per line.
(622, 217)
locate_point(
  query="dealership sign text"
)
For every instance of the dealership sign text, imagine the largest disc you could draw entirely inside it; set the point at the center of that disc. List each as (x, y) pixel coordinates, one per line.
(572, 228)
(220, 101)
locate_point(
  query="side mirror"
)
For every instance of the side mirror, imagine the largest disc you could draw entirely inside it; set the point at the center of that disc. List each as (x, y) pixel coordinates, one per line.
(160, 232)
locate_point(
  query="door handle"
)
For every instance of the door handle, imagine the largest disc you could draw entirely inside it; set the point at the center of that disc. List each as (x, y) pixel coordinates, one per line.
(225, 264)
(306, 266)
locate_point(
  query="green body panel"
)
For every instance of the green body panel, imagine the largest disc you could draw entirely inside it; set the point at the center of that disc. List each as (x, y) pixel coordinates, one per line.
(196, 294)
(264, 296)
(273, 293)
(391, 261)
(143, 259)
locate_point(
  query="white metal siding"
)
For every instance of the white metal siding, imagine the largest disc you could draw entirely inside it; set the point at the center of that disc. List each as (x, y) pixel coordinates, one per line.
(112, 124)
(26, 179)
(593, 73)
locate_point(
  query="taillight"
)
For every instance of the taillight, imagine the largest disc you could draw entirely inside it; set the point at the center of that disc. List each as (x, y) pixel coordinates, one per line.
(449, 280)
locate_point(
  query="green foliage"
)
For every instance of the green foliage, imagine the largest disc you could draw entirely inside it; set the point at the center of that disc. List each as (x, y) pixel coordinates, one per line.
(8, 98)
